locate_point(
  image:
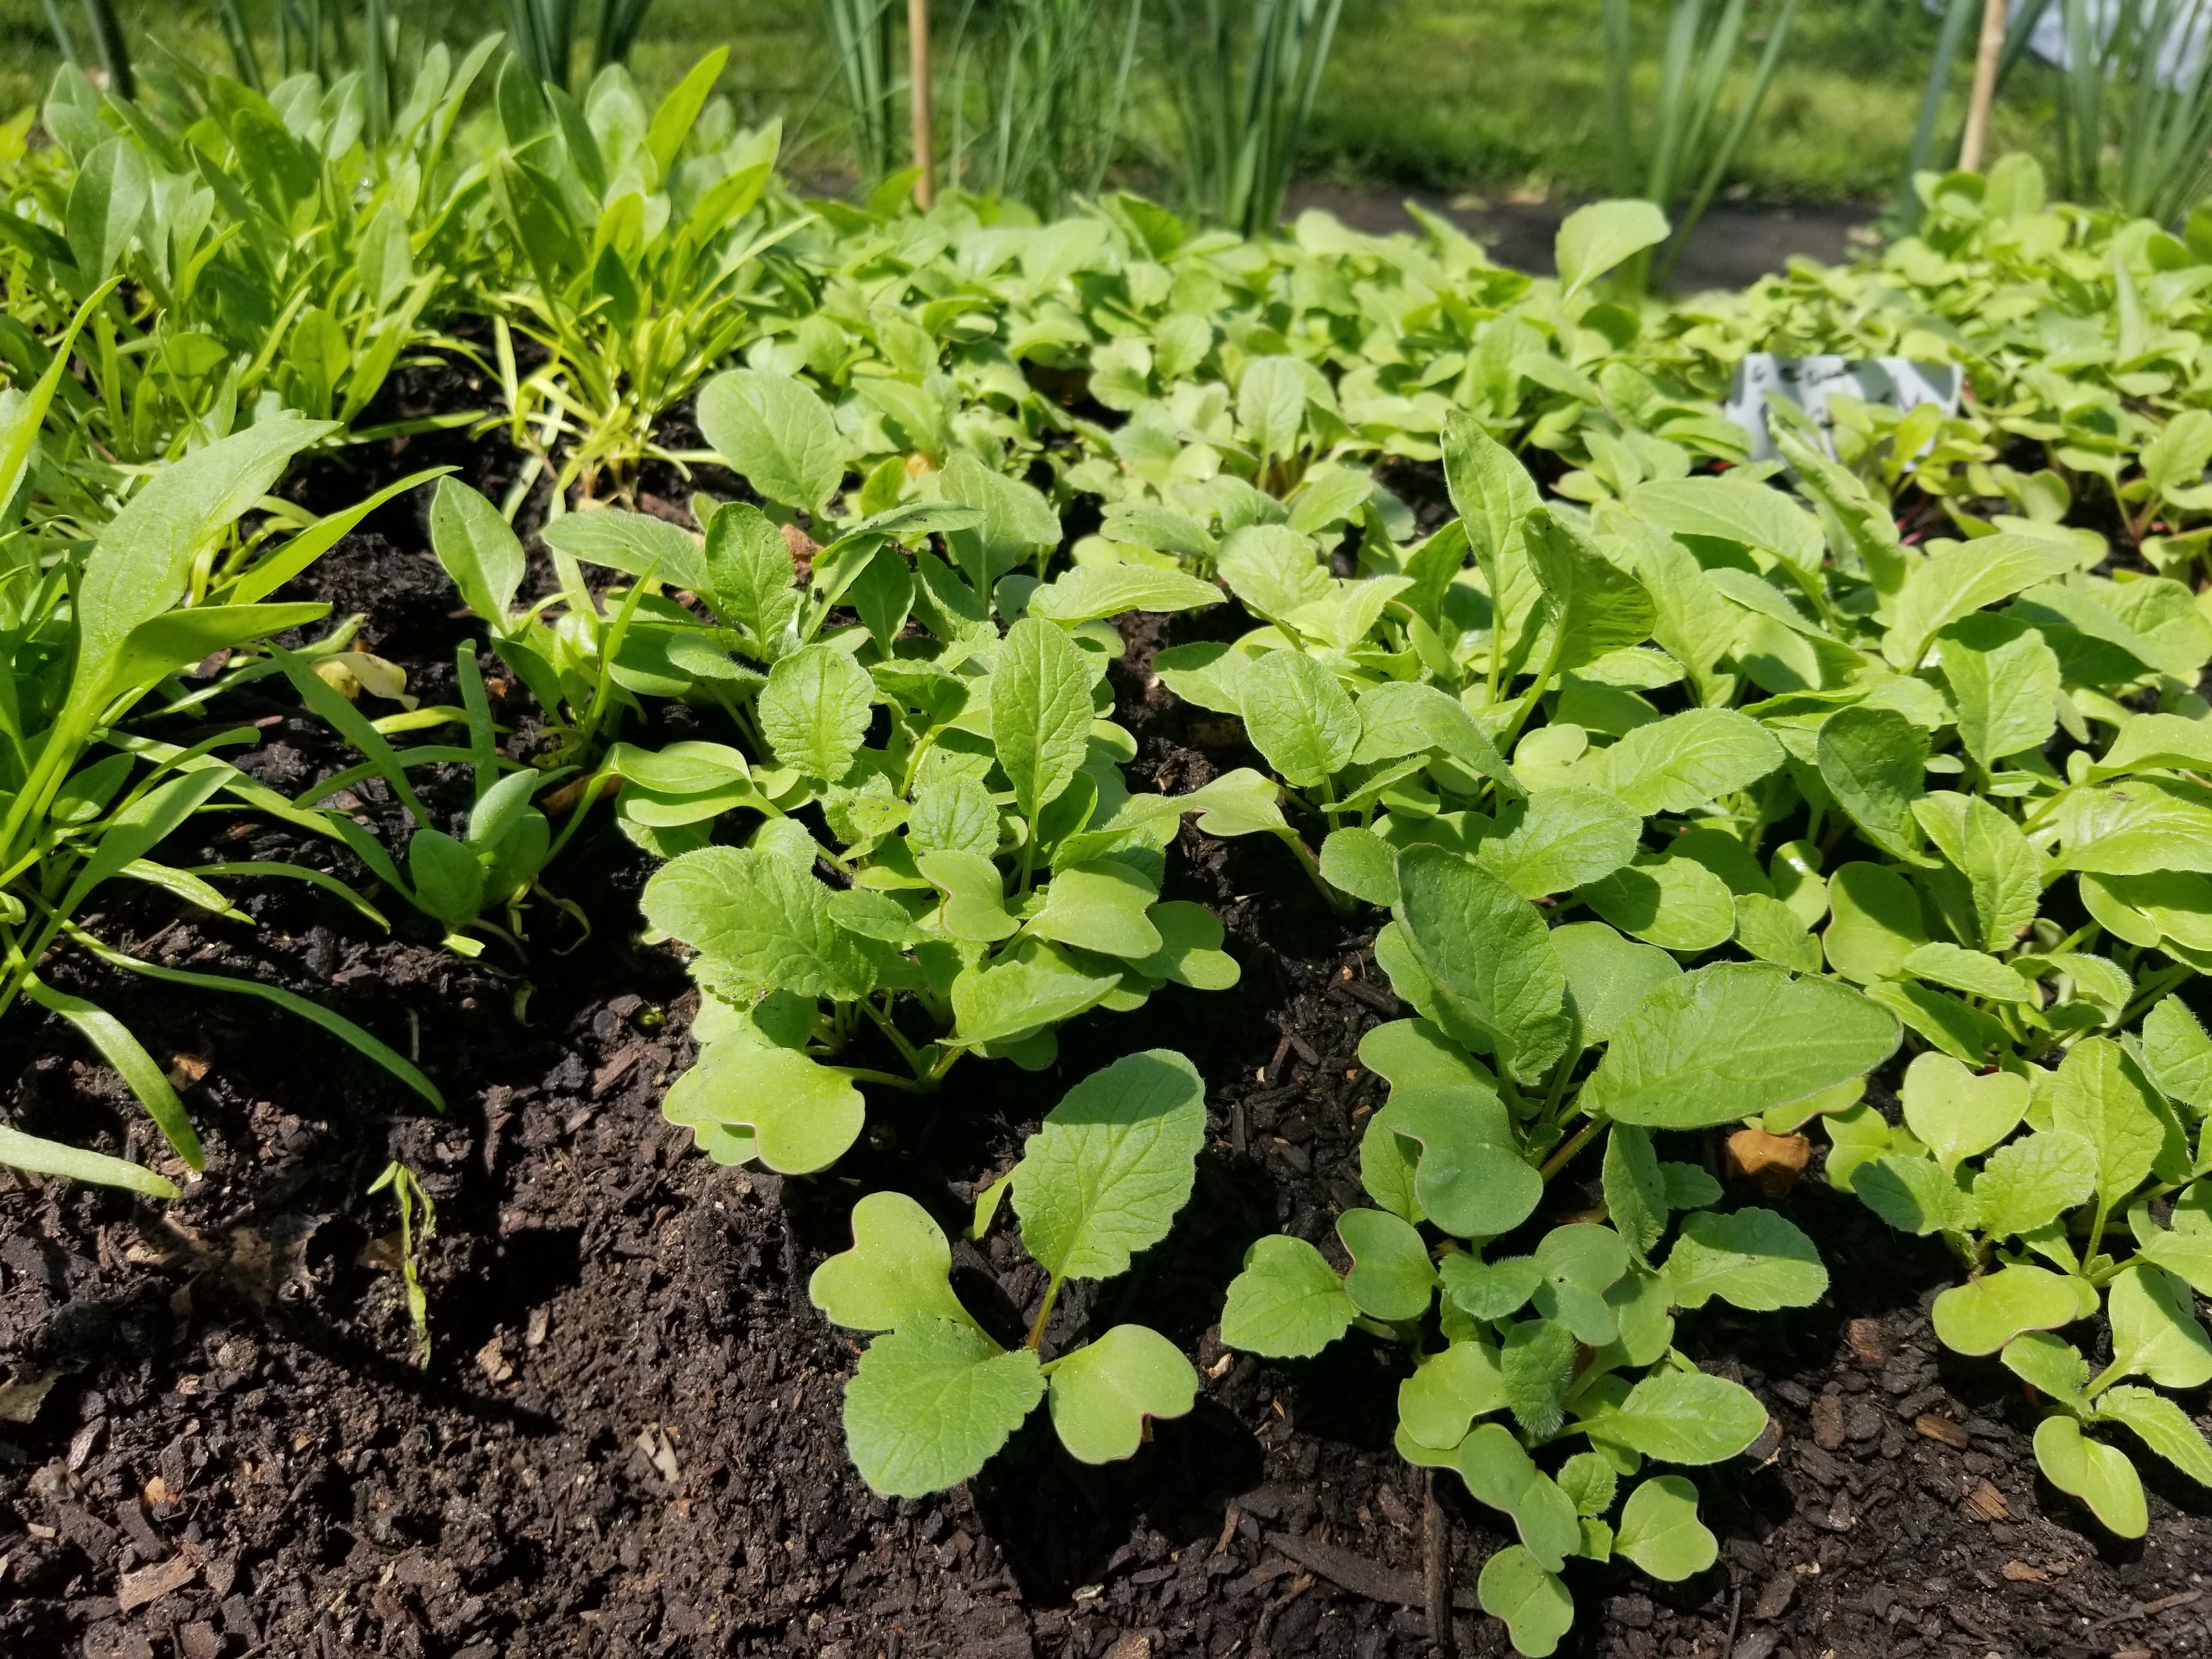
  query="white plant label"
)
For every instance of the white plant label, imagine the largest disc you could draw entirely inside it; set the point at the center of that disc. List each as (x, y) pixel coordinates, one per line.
(1809, 382)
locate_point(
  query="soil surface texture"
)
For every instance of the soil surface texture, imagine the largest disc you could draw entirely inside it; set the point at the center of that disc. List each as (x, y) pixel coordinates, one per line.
(217, 1440)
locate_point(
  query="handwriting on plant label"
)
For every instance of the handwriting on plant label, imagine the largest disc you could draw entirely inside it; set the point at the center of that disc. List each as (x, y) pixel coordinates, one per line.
(1810, 382)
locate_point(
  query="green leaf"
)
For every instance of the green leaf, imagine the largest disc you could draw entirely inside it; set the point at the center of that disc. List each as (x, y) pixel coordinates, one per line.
(896, 1271)
(754, 912)
(1684, 1417)
(1288, 1303)
(1039, 987)
(1591, 241)
(1873, 762)
(2160, 1424)
(1635, 1190)
(1538, 1362)
(1100, 906)
(2005, 874)
(2004, 683)
(2155, 741)
(1728, 508)
(975, 907)
(42, 1156)
(1501, 1475)
(1607, 975)
(1732, 1040)
(1490, 1290)
(1040, 712)
(1672, 902)
(145, 1079)
(2031, 1182)
(1112, 1164)
(750, 573)
(1271, 404)
(1486, 951)
(2051, 1364)
(932, 1402)
(636, 544)
(1533, 1603)
(1685, 761)
(1438, 1402)
(2179, 1052)
(1102, 1395)
(1577, 1263)
(2100, 1475)
(1771, 930)
(2156, 1330)
(1984, 1314)
(776, 433)
(1391, 1278)
(1751, 1259)
(1876, 922)
(1660, 1530)
(2098, 1095)
(1092, 590)
(1190, 951)
(803, 1116)
(1957, 1114)
(1950, 584)
(1361, 863)
(1592, 606)
(139, 568)
(1272, 569)
(1590, 1481)
(1914, 1194)
(1492, 492)
(2137, 827)
(478, 549)
(1406, 717)
(1299, 717)
(815, 710)
(107, 201)
(1209, 674)
(1015, 518)
(1557, 840)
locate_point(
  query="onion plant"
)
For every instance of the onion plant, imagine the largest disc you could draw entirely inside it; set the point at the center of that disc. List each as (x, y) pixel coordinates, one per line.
(1243, 89)
(1679, 157)
(2135, 113)
(1041, 87)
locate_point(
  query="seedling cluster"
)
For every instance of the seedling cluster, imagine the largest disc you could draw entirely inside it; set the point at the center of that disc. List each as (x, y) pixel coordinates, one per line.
(1683, 793)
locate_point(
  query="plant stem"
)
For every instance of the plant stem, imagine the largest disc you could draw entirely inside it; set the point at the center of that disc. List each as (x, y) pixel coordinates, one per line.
(1563, 1155)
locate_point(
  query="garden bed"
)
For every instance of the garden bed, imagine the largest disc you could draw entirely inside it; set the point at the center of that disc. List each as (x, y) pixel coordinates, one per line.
(627, 1439)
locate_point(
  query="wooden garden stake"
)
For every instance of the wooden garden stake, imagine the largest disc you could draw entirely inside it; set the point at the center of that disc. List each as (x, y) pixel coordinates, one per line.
(917, 38)
(1986, 54)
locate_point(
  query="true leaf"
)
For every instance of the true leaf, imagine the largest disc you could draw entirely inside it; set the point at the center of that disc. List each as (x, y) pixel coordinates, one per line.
(1872, 761)
(1486, 951)
(1684, 1417)
(1607, 975)
(1040, 711)
(1685, 760)
(2031, 1182)
(1439, 1400)
(2162, 1425)
(2098, 1095)
(815, 710)
(2156, 1330)
(1287, 1303)
(754, 911)
(1751, 1259)
(1559, 839)
(1591, 241)
(777, 434)
(1299, 717)
(1732, 1040)
(1112, 1164)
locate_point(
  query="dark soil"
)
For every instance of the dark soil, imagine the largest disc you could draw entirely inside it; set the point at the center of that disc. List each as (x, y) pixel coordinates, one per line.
(626, 1440)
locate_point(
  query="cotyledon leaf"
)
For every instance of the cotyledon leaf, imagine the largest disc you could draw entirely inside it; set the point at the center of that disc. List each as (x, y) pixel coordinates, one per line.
(1102, 1395)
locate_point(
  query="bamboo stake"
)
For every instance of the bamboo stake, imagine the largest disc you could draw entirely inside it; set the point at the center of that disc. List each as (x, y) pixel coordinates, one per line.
(917, 36)
(1986, 54)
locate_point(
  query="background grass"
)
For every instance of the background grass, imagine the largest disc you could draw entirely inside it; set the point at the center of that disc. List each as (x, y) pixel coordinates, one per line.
(1489, 96)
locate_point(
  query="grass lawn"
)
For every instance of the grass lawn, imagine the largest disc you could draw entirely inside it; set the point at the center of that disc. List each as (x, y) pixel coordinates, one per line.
(1481, 95)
